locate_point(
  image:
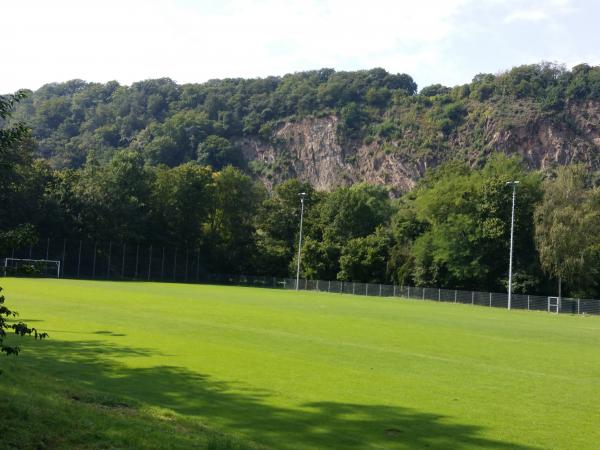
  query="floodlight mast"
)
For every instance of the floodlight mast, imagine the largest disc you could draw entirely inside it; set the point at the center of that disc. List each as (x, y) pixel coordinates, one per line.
(302, 195)
(512, 231)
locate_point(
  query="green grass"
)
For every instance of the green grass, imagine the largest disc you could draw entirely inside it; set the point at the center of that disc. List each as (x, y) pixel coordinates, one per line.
(148, 365)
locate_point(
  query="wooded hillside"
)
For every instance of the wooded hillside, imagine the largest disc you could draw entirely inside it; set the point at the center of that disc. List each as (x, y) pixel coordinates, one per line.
(330, 128)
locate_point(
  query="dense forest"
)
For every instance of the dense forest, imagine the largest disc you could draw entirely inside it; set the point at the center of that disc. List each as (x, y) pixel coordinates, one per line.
(158, 163)
(218, 122)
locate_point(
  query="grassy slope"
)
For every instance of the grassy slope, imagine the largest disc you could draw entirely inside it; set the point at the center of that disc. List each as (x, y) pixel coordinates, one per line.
(301, 370)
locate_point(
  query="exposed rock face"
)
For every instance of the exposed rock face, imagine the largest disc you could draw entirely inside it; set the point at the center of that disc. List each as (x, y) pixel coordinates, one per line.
(544, 143)
(311, 150)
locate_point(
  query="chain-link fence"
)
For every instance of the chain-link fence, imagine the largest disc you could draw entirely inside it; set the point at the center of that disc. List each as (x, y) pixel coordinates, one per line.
(124, 261)
(116, 260)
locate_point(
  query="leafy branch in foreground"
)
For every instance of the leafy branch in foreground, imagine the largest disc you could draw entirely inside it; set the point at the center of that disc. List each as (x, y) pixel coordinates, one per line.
(19, 328)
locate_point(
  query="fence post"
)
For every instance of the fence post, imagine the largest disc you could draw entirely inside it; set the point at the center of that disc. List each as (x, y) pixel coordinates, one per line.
(79, 258)
(198, 265)
(47, 248)
(137, 259)
(64, 256)
(423, 294)
(94, 263)
(490, 299)
(528, 303)
(353, 287)
(455, 294)
(306, 284)
(108, 264)
(123, 262)
(394, 294)
(439, 295)
(186, 265)
(366, 289)
(578, 306)
(329, 286)
(175, 266)
(380, 289)
(408, 295)
(149, 262)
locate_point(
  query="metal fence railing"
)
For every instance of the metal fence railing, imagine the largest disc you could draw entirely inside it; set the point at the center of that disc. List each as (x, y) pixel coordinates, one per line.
(563, 305)
(125, 261)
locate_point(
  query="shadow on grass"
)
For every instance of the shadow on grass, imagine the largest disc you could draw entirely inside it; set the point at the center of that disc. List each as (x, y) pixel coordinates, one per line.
(248, 412)
(109, 333)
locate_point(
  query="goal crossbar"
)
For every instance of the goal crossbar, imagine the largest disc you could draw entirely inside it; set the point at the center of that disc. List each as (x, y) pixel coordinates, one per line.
(27, 260)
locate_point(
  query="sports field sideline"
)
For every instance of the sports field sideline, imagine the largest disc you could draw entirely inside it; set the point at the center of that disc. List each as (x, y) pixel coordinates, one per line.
(306, 370)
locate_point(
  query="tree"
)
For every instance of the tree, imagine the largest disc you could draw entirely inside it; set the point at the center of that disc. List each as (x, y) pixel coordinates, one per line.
(567, 228)
(277, 224)
(181, 201)
(13, 154)
(365, 258)
(10, 138)
(343, 215)
(115, 198)
(15, 133)
(218, 152)
(465, 215)
(230, 228)
(19, 328)
(434, 89)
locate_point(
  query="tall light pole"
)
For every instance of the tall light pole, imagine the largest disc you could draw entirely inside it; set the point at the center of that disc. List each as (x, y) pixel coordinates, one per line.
(512, 232)
(302, 195)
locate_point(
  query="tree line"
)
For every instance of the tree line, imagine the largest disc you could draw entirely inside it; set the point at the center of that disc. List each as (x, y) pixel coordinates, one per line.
(172, 124)
(450, 231)
(11, 138)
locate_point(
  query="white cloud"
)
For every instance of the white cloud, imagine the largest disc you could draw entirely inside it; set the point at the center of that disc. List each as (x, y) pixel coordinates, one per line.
(443, 41)
(539, 11)
(195, 41)
(531, 15)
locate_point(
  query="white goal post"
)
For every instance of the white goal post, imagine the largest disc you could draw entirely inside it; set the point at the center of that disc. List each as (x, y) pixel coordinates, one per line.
(554, 304)
(12, 265)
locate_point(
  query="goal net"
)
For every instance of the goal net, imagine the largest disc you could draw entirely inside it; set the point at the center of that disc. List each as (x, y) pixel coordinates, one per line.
(31, 267)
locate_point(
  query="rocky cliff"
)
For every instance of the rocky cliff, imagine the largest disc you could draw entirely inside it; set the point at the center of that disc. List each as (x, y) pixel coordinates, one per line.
(330, 128)
(311, 149)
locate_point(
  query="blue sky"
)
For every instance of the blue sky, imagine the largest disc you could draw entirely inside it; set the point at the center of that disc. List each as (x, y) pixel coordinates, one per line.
(435, 41)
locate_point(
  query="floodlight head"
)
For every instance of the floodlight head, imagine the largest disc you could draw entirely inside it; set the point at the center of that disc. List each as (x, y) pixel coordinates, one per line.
(302, 194)
(513, 182)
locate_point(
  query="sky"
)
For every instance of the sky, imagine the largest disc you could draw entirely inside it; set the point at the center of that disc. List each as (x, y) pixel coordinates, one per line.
(434, 41)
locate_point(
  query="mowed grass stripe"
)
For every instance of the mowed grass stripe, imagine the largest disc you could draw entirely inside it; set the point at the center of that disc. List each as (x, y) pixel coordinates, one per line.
(305, 369)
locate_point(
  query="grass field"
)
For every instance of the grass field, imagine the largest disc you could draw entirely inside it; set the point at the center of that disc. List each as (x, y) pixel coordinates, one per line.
(149, 365)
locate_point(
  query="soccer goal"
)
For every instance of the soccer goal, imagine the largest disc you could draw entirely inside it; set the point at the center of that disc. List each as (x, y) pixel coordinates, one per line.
(31, 267)
(554, 304)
